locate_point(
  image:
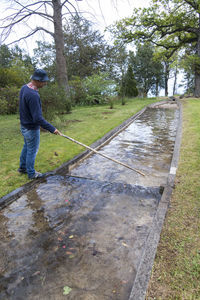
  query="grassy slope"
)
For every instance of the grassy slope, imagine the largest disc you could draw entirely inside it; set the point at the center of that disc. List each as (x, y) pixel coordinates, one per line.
(176, 271)
(86, 124)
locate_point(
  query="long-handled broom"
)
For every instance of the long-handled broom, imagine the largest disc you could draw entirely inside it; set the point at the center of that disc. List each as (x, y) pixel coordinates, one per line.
(95, 151)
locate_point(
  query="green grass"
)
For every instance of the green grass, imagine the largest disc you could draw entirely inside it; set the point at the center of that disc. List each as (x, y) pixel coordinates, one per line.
(176, 271)
(86, 124)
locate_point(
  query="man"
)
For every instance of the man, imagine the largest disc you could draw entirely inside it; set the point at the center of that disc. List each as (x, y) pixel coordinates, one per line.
(31, 119)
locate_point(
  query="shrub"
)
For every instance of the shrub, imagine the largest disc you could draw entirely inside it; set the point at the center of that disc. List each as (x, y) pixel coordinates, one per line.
(111, 102)
(9, 100)
(77, 91)
(54, 101)
(98, 87)
(9, 77)
(18, 74)
(3, 106)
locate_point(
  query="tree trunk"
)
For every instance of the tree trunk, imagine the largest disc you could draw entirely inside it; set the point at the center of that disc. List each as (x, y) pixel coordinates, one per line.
(197, 68)
(175, 81)
(61, 66)
(157, 88)
(166, 78)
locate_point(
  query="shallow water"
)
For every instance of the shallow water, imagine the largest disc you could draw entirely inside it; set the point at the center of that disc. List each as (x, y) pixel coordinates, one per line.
(88, 234)
(146, 145)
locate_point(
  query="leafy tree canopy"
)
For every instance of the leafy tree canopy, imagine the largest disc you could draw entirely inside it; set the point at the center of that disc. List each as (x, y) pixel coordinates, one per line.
(147, 69)
(171, 25)
(85, 48)
(129, 86)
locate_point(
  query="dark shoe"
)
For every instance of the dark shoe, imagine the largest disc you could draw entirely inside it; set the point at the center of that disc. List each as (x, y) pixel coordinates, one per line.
(37, 175)
(23, 171)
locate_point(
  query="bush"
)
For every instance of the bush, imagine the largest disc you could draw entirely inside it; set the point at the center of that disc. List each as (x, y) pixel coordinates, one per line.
(18, 74)
(98, 88)
(111, 102)
(77, 91)
(3, 106)
(54, 101)
(9, 100)
(9, 77)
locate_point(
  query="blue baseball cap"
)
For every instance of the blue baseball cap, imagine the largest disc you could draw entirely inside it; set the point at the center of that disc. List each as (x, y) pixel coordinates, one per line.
(40, 75)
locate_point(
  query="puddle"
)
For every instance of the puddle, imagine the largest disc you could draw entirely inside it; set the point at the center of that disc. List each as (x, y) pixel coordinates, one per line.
(88, 235)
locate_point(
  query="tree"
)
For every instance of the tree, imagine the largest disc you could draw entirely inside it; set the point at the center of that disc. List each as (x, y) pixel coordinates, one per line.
(116, 65)
(164, 66)
(86, 51)
(118, 62)
(52, 11)
(187, 63)
(45, 57)
(85, 48)
(5, 56)
(170, 24)
(147, 69)
(15, 66)
(129, 86)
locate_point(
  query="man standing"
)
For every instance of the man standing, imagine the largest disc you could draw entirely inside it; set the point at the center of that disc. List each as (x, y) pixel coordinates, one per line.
(31, 119)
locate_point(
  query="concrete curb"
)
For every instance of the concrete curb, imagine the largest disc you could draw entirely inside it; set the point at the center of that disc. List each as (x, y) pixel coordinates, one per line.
(144, 270)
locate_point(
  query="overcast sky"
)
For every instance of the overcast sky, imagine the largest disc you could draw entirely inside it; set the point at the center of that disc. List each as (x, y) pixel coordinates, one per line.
(108, 11)
(101, 12)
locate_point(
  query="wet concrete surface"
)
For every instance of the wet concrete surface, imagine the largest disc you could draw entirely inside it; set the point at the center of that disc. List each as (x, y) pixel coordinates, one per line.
(89, 234)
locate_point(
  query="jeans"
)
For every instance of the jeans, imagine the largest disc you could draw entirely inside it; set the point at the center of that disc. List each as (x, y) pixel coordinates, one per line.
(30, 149)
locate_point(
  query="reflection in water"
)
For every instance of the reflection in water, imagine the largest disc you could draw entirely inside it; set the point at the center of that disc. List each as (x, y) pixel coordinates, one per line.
(88, 234)
(19, 217)
(147, 145)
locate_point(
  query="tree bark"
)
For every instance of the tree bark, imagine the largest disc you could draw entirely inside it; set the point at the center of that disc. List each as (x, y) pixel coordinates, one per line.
(175, 80)
(197, 69)
(166, 78)
(61, 66)
(157, 88)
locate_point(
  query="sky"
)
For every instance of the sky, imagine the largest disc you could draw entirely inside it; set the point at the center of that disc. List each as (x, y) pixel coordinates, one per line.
(108, 11)
(102, 13)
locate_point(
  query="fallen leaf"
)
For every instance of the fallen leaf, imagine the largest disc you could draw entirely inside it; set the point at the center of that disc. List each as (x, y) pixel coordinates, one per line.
(125, 245)
(71, 237)
(69, 253)
(36, 273)
(66, 290)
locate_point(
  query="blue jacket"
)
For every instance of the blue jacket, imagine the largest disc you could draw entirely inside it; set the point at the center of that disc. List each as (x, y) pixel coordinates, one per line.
(31, 111)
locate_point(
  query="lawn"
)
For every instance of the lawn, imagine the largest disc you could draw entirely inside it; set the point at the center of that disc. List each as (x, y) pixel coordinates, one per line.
(86, 124)
(176, 271)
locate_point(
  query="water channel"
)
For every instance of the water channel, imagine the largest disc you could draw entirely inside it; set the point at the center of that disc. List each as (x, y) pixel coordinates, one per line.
(81, 236)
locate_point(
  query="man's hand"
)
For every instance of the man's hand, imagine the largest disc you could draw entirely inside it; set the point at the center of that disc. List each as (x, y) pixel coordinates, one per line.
(57, 132)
